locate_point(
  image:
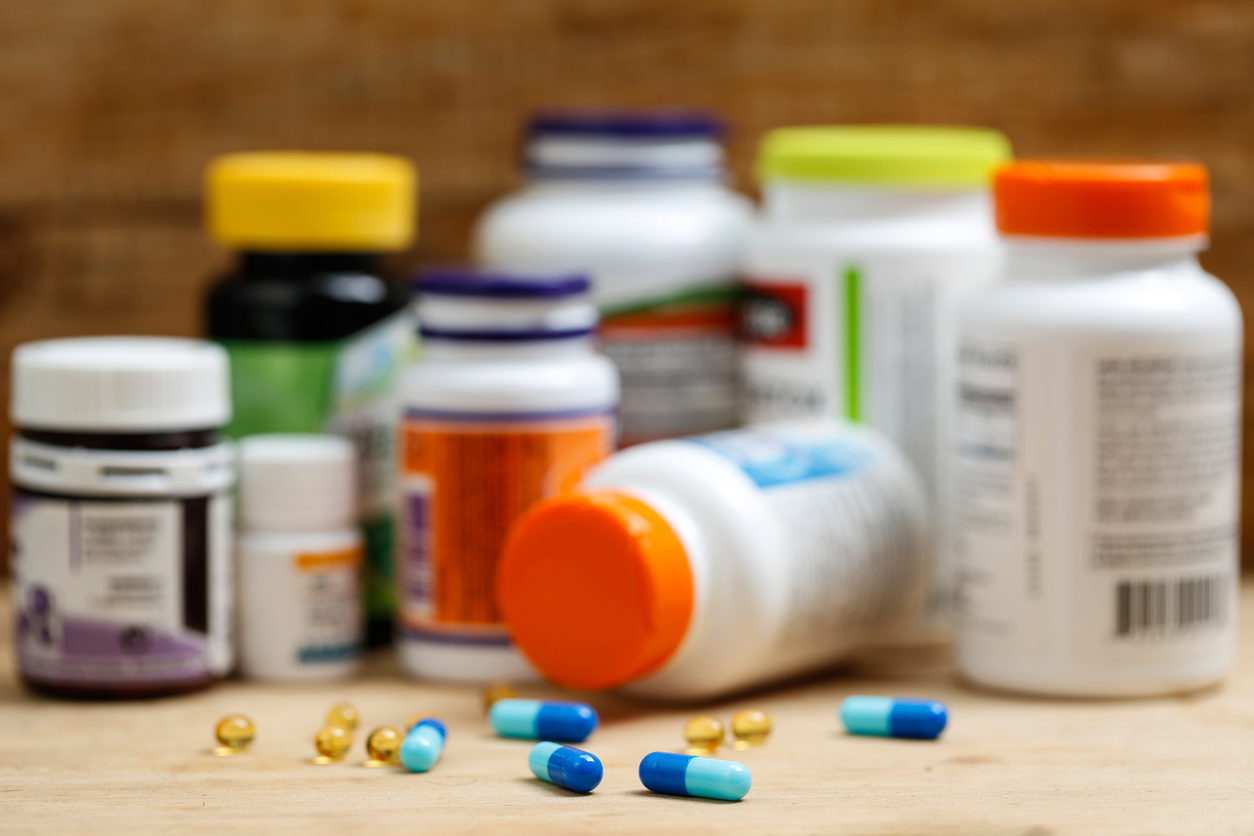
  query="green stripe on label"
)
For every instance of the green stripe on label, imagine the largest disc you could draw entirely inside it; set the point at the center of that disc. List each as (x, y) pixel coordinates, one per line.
(853, 340)
(714, 294)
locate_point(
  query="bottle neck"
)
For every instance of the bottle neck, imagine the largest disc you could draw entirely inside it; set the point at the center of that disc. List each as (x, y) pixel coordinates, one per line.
(434, 348)
(618, 159)
(795, 201)
(1030, 258)
(270, 265)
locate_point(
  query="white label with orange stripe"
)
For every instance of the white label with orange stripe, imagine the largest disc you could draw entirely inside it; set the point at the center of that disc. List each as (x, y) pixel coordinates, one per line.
(301, 604)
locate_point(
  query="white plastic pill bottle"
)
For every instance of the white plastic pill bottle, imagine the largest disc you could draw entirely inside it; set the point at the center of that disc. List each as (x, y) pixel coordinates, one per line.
(121, 516)
(510, 403)
(638, 201)
(1098, 459)
(300, 558)
(870, 238)
(690, 568)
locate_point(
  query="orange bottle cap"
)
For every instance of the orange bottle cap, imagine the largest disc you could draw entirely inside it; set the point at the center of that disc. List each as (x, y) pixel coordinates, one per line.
(596, 589)
(1079, 199)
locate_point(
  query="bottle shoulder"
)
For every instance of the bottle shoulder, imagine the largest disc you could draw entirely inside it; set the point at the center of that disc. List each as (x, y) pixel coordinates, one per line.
(781, 239)
(1178, 299)
(600, 225)
(314, 307)
(286, 543)
(506, 384)
(710, 488)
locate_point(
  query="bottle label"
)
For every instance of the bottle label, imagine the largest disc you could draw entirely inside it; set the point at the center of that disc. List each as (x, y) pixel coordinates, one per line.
(677, 357)
(854, 520)
(116, 593)
(872, 340)
(465, 478)
(330, 606)
(346, 387)
(1100, 481)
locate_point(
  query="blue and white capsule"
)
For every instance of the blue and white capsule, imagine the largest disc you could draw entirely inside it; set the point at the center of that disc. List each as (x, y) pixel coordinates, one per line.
(565, 766)
(568, 722)
(423, 745)
(691, 775)
(894, 717)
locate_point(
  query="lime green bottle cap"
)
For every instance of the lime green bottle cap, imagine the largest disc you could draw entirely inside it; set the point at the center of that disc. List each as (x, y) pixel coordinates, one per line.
(901, 155)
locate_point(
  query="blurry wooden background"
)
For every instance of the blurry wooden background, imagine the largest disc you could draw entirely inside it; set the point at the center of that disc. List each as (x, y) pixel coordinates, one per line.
(110, 108)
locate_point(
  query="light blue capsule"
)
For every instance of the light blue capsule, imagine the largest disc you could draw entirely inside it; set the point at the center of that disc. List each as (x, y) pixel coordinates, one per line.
(423, 745)
(565, 766)
(675, 774)
(569, 722)
(894, 717)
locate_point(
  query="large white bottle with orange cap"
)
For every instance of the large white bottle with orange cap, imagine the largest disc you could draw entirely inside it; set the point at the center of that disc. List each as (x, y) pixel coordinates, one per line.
(694, 567)
(1098, 455)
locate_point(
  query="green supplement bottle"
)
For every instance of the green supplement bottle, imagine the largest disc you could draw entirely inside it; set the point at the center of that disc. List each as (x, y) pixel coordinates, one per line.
(316, 331)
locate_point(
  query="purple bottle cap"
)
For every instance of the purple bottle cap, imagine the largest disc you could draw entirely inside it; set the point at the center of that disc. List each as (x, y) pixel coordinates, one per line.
(644, 123)
(499, 284)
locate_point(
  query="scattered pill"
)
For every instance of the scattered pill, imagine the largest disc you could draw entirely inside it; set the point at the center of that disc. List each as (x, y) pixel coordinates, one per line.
(343, 715)
(894, 717)
(750, 727)
(565, 766)
(569, 722)
(234, 733)
(383, 746)
(332, 743)
(704, 734)
(675, 774)
(495, 692)
(423, 745)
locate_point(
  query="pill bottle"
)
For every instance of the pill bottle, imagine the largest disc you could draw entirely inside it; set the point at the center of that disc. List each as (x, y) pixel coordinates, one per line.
(1098, 457)
(638, 200)
(510, 403)
(317, 330)
(870, 238)
(121, 519)
(690, 568)
(300, 555)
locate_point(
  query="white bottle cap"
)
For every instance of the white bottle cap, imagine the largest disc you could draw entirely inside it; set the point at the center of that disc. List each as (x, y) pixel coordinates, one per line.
(120, 385)
(292, 482)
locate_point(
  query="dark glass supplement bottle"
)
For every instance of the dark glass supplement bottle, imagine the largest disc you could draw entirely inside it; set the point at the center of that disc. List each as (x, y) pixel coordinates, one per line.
(316, 332)
(121, 520)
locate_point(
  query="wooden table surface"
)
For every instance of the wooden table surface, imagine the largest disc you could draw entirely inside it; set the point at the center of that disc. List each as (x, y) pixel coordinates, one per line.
(1006, 765)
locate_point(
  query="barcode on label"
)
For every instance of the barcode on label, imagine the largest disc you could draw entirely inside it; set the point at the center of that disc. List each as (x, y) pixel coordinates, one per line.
(1159, 607)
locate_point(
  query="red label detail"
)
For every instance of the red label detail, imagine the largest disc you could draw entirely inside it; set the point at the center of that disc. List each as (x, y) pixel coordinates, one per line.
(774, 315)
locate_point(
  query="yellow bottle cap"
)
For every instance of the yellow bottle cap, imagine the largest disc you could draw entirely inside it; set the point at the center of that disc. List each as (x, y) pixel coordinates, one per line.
(311, 201)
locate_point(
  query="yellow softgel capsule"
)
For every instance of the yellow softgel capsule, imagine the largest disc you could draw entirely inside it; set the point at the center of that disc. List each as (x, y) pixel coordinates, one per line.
(384, 746)
(344, 715)
(234, 732)
(332, 743)
(497, 691)
(704, 734)
(750, 727)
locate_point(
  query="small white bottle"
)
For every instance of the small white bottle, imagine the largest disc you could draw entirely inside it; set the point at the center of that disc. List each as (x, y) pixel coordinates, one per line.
(638, 201)
(870, 238)
(1098, 455)
(690, 568)
(300, 555)
(509, 404)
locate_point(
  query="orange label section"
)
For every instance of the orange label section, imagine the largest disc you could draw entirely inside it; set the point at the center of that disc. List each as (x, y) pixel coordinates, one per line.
(464, 484)
(316, 561)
